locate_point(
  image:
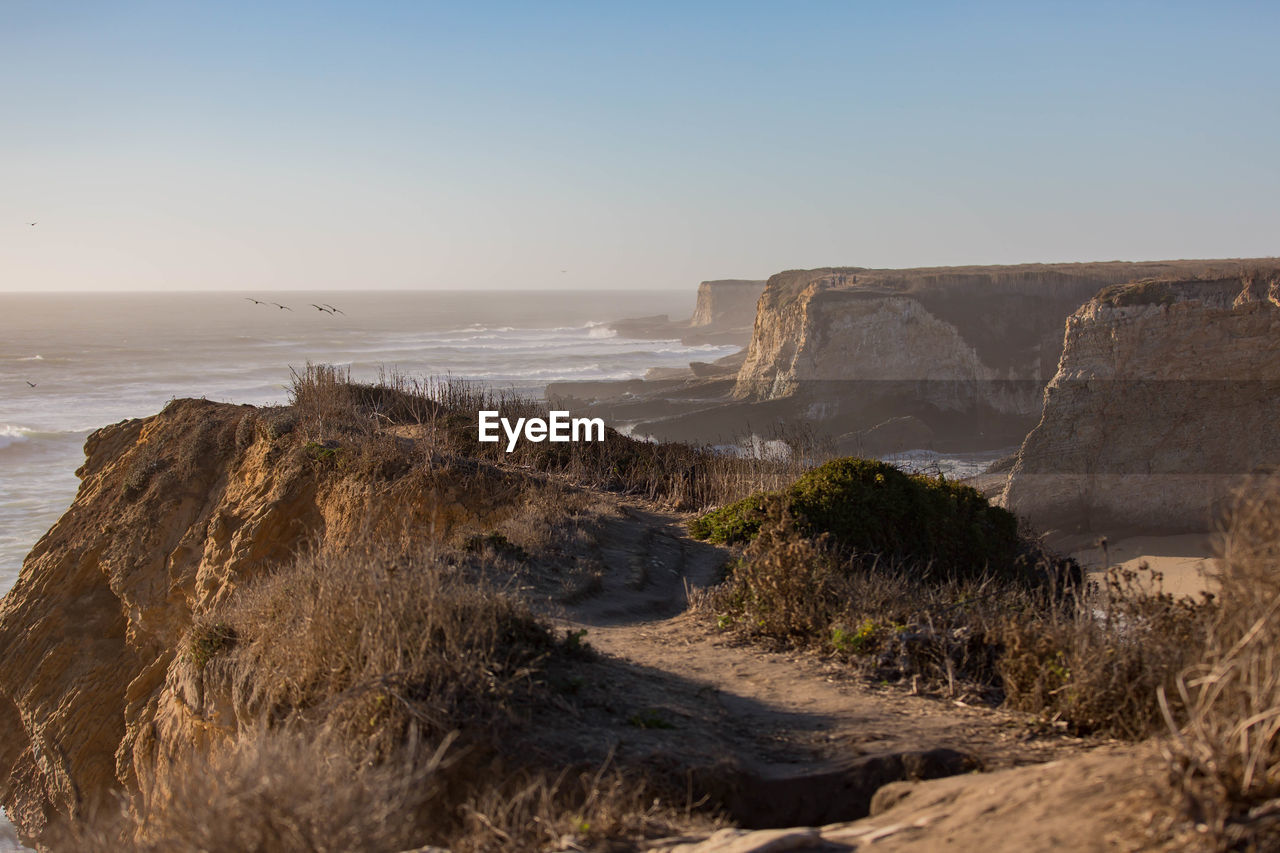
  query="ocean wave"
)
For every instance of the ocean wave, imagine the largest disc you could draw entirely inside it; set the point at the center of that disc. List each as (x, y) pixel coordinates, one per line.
(36, 357)
(602, 332)
(12, 435)
(593, 371)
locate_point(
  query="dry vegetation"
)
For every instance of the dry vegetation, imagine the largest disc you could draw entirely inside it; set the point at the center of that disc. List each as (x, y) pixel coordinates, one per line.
(442, 415)
(388, 687)
(1087, 658)
(1225, 711)
(385, 697)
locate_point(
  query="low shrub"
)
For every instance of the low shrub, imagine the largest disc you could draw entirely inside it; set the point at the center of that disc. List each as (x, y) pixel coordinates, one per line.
(1090, 659)
(379, 643)
(1097, 662)
(871, 508)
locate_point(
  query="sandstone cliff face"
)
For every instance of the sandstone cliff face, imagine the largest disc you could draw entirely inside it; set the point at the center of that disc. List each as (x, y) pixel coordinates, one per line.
(980, 325)
(173, 513)
(726, 303)
(1166, 394)
(961, 353)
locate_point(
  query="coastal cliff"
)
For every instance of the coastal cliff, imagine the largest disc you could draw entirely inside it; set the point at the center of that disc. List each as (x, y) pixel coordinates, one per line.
(980, 325)
(1168, 392)
(723, 314)
(880, 361)
(175, 512)
(726, 304)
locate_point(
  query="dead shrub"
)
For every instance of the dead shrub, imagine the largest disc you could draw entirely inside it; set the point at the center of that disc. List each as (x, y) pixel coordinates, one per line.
(1225, 751)
(279, 791)
(1095, 659)
(376, 644)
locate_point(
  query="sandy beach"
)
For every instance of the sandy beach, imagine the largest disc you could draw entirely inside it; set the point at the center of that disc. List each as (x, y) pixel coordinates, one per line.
(1185, 562)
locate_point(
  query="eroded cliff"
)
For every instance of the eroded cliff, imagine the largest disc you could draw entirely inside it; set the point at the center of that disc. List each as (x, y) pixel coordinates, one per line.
(723, 314)
(1167, 393)
(962, 352)
(173, 514)
(727, 304)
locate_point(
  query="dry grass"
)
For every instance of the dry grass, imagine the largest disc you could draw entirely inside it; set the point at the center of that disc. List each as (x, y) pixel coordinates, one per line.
(1086, 658)
(383, 695)
(1225, 750)
(287, 792)
(1097, 659)
(890, 622)
(442, 416)
(383, 646)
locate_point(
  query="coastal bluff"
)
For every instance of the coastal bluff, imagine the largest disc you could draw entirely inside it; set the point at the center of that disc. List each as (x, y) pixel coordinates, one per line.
(100, 689)
(1167, 394)
(724, 313)
(953, 359)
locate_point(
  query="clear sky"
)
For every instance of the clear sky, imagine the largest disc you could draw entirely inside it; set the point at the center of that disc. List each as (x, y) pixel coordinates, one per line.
(255, 145)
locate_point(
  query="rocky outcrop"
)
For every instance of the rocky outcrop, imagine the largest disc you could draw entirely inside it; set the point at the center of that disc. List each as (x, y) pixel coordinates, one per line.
(726, 304)
(174, 512)
(953, 359)
(1101, 801)
(723, 314)
(1167, 392)
(961, 324)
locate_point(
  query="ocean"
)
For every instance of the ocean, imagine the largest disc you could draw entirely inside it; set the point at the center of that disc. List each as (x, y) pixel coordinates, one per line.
(96, 359)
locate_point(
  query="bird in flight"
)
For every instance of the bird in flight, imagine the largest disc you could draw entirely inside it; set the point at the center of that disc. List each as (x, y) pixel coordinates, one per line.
(282, 307)
(33, 223)
(255, 301)
(333, 310)
(29, 382)
(321, 308)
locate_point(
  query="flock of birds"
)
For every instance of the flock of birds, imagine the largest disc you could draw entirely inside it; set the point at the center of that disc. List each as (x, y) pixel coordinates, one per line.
(326, 308)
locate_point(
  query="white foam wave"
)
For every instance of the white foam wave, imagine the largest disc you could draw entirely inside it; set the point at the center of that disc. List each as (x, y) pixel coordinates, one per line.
(602, 332)
(13, 434)
(36, 357)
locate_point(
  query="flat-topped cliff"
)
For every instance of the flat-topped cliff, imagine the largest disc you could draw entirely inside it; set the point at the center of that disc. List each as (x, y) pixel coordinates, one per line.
(727, 303)
(1167, 393)
(971, 324)
(723, 314)
(953, 359)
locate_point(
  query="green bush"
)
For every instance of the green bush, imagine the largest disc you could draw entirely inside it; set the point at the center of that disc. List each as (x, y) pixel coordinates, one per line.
(873, 508)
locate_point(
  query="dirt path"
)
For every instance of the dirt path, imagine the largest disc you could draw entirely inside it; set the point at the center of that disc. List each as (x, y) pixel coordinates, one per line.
(687, 688)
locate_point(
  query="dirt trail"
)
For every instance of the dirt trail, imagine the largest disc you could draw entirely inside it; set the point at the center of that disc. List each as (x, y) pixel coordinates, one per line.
(784, 717)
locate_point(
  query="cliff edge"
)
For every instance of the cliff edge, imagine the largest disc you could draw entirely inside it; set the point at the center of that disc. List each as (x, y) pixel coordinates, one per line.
(173, 514)
(1168, 392)
(723, 314)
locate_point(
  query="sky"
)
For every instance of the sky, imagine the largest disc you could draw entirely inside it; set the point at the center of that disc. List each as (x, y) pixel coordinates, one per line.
(491, 145)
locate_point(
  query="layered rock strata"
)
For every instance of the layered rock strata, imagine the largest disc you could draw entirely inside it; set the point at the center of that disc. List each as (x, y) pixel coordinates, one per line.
(880, 361)
(1167, 394)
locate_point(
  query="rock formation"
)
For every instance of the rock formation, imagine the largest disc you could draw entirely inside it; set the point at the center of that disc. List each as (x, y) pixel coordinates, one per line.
(726, 304)
(173, 513)
(723, 314)
(1167, 392)
(953, 358)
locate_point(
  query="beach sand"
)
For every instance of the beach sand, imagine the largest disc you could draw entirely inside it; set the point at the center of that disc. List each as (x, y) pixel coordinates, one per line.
(1186, 562)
